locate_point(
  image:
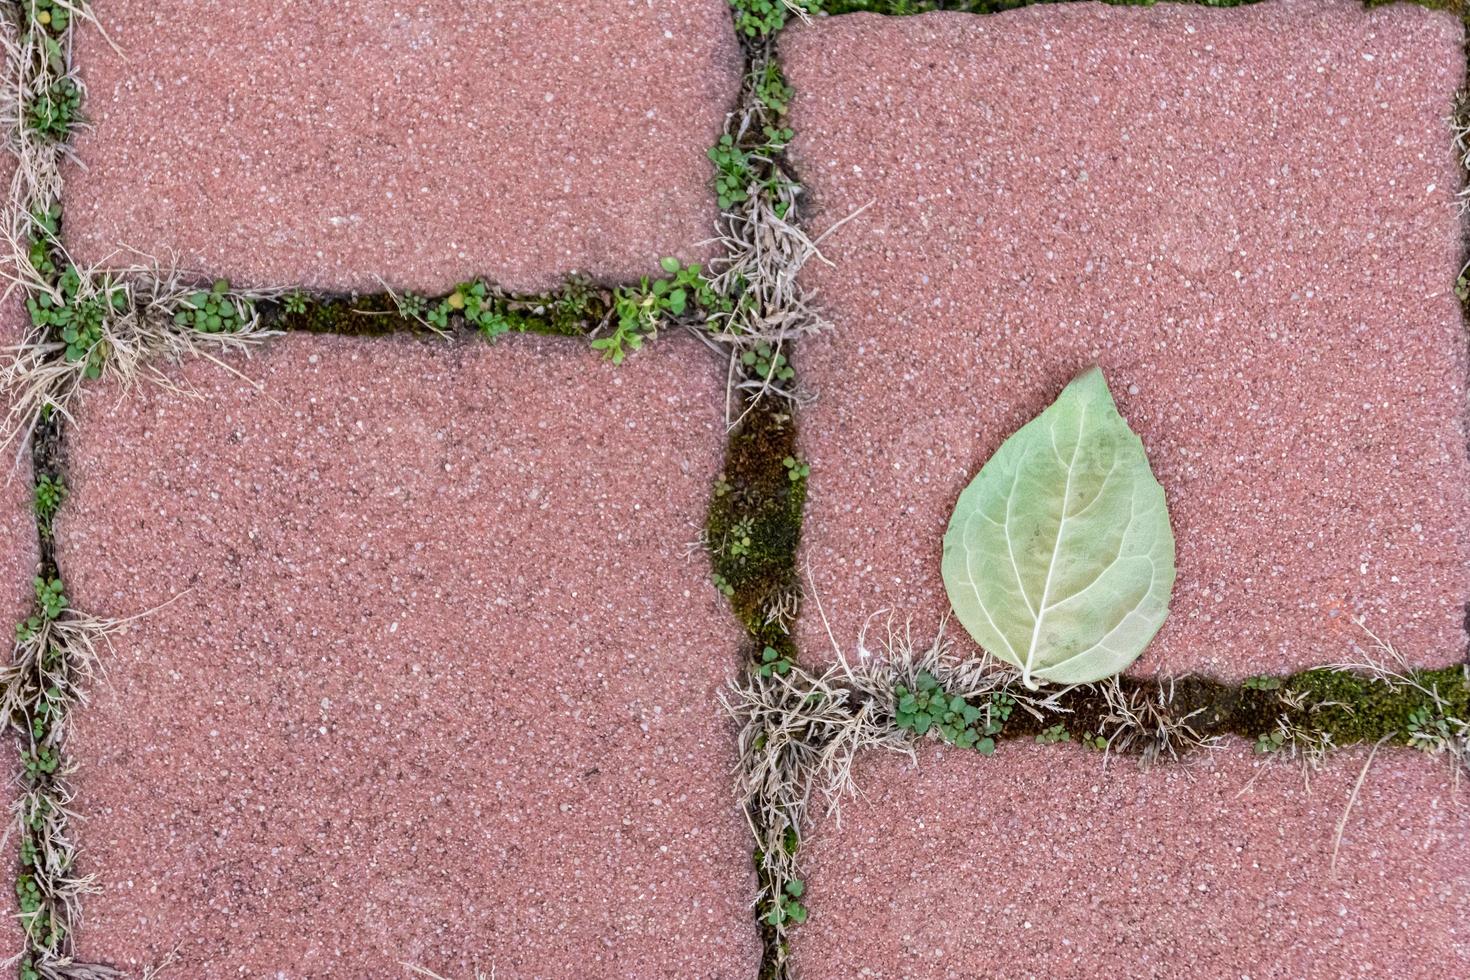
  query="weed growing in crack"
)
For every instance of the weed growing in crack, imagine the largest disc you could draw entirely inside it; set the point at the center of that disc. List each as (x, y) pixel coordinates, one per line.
(774, 662)
(796, 470)
(52, 15)
(412, 306)
(958, 722)
(215, 310)
(1054, 734)
(294, 302)
(768, 365)
(640, 311)
(53, 113)
(50, 494)
(762, 18)
(763, 246)
(76, 312)
(88, 323)
(788, 908)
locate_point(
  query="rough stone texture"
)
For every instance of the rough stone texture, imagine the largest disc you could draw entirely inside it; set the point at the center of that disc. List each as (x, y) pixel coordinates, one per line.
(1041, 861)
(18, 559)
(281, 143)
(1244, 215)
(431, 679)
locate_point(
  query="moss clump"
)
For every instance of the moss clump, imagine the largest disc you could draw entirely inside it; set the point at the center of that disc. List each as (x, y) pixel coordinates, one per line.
(1323, 706)
(898, 8)
(754, 524)
(376, 315)
(570, 312)
(1354, 707)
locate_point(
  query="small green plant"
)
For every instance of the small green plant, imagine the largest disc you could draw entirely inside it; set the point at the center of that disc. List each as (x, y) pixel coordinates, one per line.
(55, 110)
(1261, 683)
(49, 495)
(1462, 288)
(733, 172)
(1272, 741)
(767, 364)
(48, 14)
(77, 315)
(1054, 734)
(760, 18)
(738, 541)
(1429, 731)
(50, 596)
(772, 662)
(214, 310)
(411, 306)
(1094, 741)
(787, 907)
(638, 311)
(927, 707)
(771, 89)
(481, 307)
(723, 584)
(40, 761)
(47, 225)
(796, 470)
(295, 302)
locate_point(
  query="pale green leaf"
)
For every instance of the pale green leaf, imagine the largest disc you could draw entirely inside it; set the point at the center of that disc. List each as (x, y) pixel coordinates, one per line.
(1059, 558)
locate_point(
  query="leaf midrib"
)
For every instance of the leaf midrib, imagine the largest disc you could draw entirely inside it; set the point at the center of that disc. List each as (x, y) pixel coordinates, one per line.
(1056, 547)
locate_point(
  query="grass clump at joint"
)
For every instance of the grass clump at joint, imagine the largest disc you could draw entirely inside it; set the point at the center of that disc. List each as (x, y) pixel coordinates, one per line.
(763, 308)
(89, 323)
(55, 654)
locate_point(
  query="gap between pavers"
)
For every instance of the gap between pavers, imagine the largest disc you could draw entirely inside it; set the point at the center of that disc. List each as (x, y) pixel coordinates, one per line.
(1040, 862)
(1246, 216)
(279, 145)
(431, 677)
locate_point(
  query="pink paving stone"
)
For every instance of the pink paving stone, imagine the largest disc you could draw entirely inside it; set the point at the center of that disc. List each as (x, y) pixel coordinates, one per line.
(430, 679)
(426, 143)
(18, 560)
(1246, 216)
(1038, 862)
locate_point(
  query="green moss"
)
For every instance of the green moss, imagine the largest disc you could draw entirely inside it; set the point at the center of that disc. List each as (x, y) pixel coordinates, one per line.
(569, 312)
(1346, 707)
(1353, 707)
(754, 521)
(358, 316)
(898, 8)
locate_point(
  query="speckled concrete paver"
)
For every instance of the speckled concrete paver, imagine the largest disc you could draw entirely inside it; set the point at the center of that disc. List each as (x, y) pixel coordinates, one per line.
(1246, 216)
(425, 143)
(18, 560)
(1038, 862)
(430, 678)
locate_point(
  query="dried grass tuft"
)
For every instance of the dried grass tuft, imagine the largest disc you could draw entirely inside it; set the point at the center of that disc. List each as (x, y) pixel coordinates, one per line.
(1138, 721)
(53, 661)
(138, 337)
